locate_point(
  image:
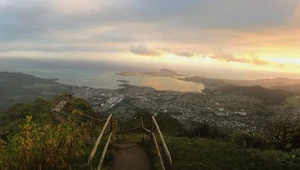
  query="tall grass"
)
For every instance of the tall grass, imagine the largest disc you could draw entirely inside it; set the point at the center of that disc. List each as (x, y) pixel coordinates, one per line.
(48, 146)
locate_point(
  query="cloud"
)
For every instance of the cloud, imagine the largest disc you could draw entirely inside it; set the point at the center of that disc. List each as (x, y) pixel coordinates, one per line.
(58, 26)
(249, 58)
(185, 53)
(295, 19)
(77, 7)
(143, 49)
(257, 60)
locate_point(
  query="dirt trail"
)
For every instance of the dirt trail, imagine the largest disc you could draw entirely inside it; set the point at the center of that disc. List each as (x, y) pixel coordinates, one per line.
(130, 157)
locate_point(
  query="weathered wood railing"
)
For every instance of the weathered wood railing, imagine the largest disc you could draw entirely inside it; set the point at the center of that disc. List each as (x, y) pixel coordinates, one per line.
(167, 152)
(140, 128)
(83, 118)
(106, 127)
(65, 97)
(152, 134)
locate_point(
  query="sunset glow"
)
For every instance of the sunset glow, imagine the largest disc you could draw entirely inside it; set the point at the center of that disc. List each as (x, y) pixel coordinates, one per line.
(224, 34)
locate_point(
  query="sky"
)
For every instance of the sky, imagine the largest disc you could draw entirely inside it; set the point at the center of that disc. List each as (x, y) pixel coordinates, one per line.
(247, 35)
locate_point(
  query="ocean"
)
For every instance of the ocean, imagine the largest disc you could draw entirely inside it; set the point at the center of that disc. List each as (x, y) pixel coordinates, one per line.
(96, 75)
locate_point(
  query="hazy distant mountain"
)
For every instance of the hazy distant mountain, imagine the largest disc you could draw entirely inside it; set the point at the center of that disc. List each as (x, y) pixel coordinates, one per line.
(292, 85)
(270, 82)
(167, 71)
(19, 87)
(271, 96)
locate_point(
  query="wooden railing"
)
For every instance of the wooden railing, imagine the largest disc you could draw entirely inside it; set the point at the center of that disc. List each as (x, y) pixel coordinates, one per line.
(140, 128)
(59, 99)
(85, 117)
(59, 103)
(167, 152)
(152, 134)
(107, 127)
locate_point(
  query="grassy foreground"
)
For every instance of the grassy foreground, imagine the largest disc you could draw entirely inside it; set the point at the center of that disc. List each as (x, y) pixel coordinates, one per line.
(207, 154)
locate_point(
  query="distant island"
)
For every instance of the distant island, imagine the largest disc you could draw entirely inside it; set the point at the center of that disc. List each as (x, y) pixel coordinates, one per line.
(123, 81)
(291, 85)
(160, 73)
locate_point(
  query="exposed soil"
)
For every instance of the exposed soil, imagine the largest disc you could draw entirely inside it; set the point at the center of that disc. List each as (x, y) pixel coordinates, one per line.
(130, 156)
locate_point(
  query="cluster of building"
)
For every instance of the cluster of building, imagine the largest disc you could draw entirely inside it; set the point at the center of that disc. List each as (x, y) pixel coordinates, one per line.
(225, 110)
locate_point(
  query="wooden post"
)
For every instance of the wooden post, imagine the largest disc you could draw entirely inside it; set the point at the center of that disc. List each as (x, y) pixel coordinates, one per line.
(119, 132)
(163, 141)
(111, 124)
(111, 128)
(104, 152)
(98, 141)
(142, 124)
(158, 152)
(152, 129)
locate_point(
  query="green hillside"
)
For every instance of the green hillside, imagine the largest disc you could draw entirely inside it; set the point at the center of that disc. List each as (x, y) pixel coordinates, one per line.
(20, 88)
(38, 141)
(207, 154)
(272, 96)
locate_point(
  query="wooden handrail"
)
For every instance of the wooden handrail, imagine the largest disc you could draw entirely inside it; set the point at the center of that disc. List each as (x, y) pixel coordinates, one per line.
(98, 140)
(130, 130)
(151, 134)
(135, 118)
(57, 100)
(143, 126)
(162, 166)
(71, 116)
(147, 132)
(163, 141)
(104, 151)
(86, 115)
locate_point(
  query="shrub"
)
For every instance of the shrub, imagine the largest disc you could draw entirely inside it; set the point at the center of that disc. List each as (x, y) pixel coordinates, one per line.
(204, 130)
(46, 146)
(251, 139)
(284, 134)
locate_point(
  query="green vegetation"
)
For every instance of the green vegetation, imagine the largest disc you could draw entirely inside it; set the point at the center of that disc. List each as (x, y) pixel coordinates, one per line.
(39, 85)
(204, 130)
(37, 141)
(283, 135)
(168, 124)
(199, 153)
(271, 96)
(80, 106)
(211, 154)
(38, 109)
(293, 101)
(46, 146)
(207, 147)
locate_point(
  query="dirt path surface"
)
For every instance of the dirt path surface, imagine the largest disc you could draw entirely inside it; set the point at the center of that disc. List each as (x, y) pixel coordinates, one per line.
(130, 157)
